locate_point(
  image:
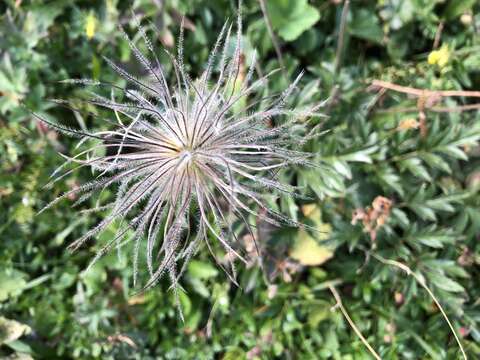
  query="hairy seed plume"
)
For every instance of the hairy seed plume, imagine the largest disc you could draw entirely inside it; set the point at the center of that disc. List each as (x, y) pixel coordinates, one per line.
(188, 160)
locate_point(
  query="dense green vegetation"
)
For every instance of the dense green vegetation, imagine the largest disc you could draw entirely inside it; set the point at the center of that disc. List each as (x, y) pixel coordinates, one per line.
(398, 178)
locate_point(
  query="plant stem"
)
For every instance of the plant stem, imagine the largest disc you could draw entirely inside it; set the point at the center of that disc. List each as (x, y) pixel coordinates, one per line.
(339, 304)
(341, 35)
(422, 282)
(273, 36)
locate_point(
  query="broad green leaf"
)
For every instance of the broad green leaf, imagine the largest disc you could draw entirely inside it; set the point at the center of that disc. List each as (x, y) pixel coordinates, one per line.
(201, 270)
(13, 84)
(12, 283)
(290, 18)
(342, 167)
(458, 7)
(38, 19)
(365, 25)
(444, 202)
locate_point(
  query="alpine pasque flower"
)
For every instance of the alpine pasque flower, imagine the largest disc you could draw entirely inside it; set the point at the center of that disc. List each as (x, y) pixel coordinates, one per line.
(189, 159)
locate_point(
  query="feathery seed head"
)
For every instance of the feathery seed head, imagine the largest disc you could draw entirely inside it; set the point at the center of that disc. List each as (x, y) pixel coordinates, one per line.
(190, 147)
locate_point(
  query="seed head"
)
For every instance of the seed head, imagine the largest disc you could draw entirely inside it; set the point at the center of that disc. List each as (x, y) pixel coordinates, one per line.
(188, 161)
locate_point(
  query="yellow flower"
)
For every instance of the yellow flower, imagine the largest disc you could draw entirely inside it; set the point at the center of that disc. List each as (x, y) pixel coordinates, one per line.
(433, 57)
(439, 57)
(90, 25)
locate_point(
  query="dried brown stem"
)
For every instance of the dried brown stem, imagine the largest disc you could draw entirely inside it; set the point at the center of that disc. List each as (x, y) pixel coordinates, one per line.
(423, 92)
(339, 304)
(427, 99)
(438, 34)
(420, 280)
(439, 109)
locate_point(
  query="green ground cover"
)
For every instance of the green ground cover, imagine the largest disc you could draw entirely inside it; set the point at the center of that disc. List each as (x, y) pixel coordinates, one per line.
(398, 179)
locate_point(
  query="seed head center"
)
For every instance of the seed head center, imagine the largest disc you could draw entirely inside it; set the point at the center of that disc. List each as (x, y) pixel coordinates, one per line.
(185, 156)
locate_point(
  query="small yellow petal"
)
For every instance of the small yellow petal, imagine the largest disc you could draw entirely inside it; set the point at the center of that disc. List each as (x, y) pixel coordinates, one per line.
(433, 57)
(442, 62)
(90, 25)
(444, 56)
(439, 57)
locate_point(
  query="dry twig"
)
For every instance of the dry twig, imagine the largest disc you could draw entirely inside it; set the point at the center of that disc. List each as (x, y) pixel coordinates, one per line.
(438, 109)
(422, 282)
(427, 99)
(339, 304)
(438, 34)
(423, 92)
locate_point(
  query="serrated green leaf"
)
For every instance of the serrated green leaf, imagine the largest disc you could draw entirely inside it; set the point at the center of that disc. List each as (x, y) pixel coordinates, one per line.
(433, 240)
(414, 165)
(401, 216)
(436, 161)
(444, 283)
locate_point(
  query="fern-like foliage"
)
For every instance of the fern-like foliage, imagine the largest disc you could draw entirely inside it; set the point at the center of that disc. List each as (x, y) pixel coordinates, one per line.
(200, 147)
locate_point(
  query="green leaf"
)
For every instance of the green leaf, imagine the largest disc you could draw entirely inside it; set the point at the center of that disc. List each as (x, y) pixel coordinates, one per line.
(444, 202)
(428, 349)
(12, 283)
(318, 312)
(458, 7)
(38, 19)
(362, 155)
(435, 161)
(20, 347)
(401, 217)
(61, 236)
(388, 177)
(290, 18)
(13, 84)
(455, 152)
(234, 353)
(365, 25)
(414, 165)
(343, 168)
(445, 283)
(201, 270)
(424, 212)
(435, 240)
